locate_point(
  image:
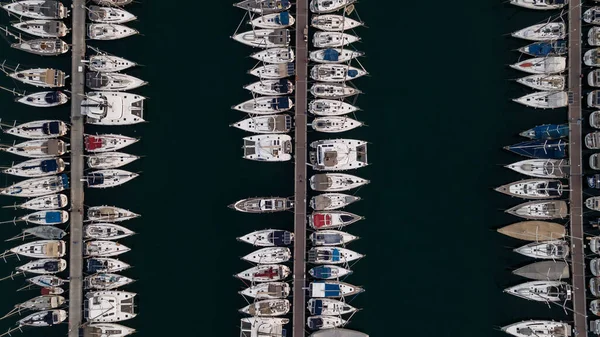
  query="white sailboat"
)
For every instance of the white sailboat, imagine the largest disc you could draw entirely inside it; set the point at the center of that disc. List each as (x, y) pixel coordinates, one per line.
(112, 81)
(267, 308)
(269, 255)
(334, 55)
(43, 28)
(336, 182)
(329, 272)
(37, 187)
(264, 38)
(267, 290)
(42, 148)
(593, 78)
(591, 58)
(44, 266)
(102, 248)
(265, 124)
(42, 129)
(333, 90)
(334, 22)
(107, 330)
(41, 249)
(592, 16)
(540, 4)
(332, 255)
(265, 105)
(544, 82)
(545, 99)
(594, 36)
(273, 21)
(268, 238)
(273, 71)
(328, 6)
(110, 214)
(110, 160)
(335, 72)
(538, 328)
(329, 307)
(44, 99)
(542, 65)
(105, 63)
(332, 219)
(335, 124)
(108, 178)
(322, 322)
(107, 142)
(542, 291)
(542, 32)
(39, 46)
(542, 168)
(104, 265)
(34, 168)
(37, 9)
(40, 77)
(333, 39)
(102, 281)
(271, 87)
(109, 14)
(330, 107)
(106, 231)
(109, 31)
(331, 238)
(45, 217)
(265, 273)
(556, 249)
(47, 202)
(275, 55)
(331, 201)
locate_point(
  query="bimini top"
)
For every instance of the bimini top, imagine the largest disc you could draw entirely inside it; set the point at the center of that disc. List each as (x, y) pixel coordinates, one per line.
(53, 217)
(283, 18)
(49, 165)
(281, 238)
(95, 179)
(53, 97)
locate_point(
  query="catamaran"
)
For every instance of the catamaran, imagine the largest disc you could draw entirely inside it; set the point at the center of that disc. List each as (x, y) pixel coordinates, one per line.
(331, 238)
(268, 238)
(47, 202)
(109, 14)
(275, 55)
(101, 248)
(273, 21)
(109, 214)
(107, 142)
(542, 168)
(263, 205)
(542, 32)
(106, 231)
(335, 182)
(334, 55)
(265, 273)
(108, 178)
(112, 82)
(269, 147)
(34, 168)
(265, 105)
(546, 132)
(592, 16)
(331, 201)
(268, 308)
(329, 272)
(542, 291)
(332, 289)
(36, 187)
(540, 210)
(533, 189)
(338, 154)
(332, 255)
(334, 22)
(40, 77)
(538, 328)
(44, 266)
(264, 38)
(37, 9)
(104, 281)
(43, 129)
(104, 265)
(330, 107)
(329, 307)
(267, 290)
(41, 148)
(274, 87)
(545, 99)
(556, 249)
(333, 90)
(110, 160)
(544, 82)
(332, 219)
(540, 4)
(592, 140)
(264, 6)
(335, 124)
(549, 48)
(269, 255)
(328, 6)
(43, 28)
(333, 39)
(41, 249)
(335, 72)
(274, 71)
(542, 65)
(109, 31)
(109, 306)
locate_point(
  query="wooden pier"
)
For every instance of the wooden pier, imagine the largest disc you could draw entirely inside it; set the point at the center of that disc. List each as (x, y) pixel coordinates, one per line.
(300, 151)
(78, 14)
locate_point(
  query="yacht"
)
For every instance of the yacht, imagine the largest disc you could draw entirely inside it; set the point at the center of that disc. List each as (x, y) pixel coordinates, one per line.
(109, 31)
(44, 318)
(338, 154)
(108, 178)
(268, 238)
(46, 281)
(268, 290)
(592, 140)
(42, 148)
(331, 201)
(43, 129)
(275, 55)
(333, 39)
(273, 20)
(265, 273)
(37, 187)
(540, 4)
(331, 238)
(263, 326)
(43, 232)
(41, 249)
(112, 82)
(593, 78)
(325, 322)
(265, 105)
(46, 217)
(542, 291)
(264, 38)
(540, 149)
(264, 6)
(105, 63)
(547, 131)
(542, 65)
(37, 9)
(328, 6)
(334, 55)
(542, 32)
(542, 168)
(106, 231)
(332, 255)
(591, 58)
(332, 219)
(330, 107)
(47, 202)
(114, 3)
(109, 214)
(271, 87)
(102, 248)
(43, 302)
(332, 289)
(595, 161)
(273, 71)
(593, 181)
(334, 124)
(37, 168)
(594, 36)
(538, 328)
(40, 77)
(43, 28)
(335, 182)
(329, 307)
(334, 22)
(329, 272)
(593, 99)
(109, 306)
(269, 147)
(544, 82)
(544, 209)
(104, 265)
(545, 270)
(44, 266)
(269, 255)
(109, 14)
(106, 330)
(107, 142)
(545, 48)
(333, 90)
(595, 266)
(335, 72)
(592, 16)
(43, 47)
(263, 205)
(110, 160)
(556, 249)
(533, 189)
(103, 281)
(44, 99)
(267, 308)
(593, 203)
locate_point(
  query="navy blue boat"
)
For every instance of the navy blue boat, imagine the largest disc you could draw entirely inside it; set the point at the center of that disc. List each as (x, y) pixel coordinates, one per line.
(547, 132)
(540, 49)
(540, 149)
(594, 181)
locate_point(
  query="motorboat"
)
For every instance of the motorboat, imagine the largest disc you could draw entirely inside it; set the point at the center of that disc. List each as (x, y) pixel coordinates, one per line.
(544, 209)
(332, 289)
(542, 168)
(110, 160)
(328, 6)
(42, 129)
(40, 77)
(540, 4)
(264, 6)
(331, 201)
(102, 281)
(263, 326)
(43, 28)
(335, 124)
(273, 20)
(267, 124)
(265, 105)
(544, 82)
(268, 290)
(42, 148)
(271, 87)
(547, 131)
(268, 238)
(44, 318)
(108, 178)
(332, 219)
(114, 3)
(109, 14)
(274, 71)
(333, 39)
(107, 142)
(330, 107)
(105, 63)
(545, 48)
(338, 154)
(267, 307)
(542, 291)
(332, 255)
(336, 182)
(595, 266)
(265, 273)
(594, 36)
(592, 16)
(542, 65)
(269, 147)
(102, 248)
(595, 161)
(44, 99)
(263, 205)
(325, 322)
(112, 82)
(533, 189)
(41, 232)
(329, 272)
(538, 328)
(46, 281)
(334, 55)
(542, 32)
(43, 266)
(591, 58)
(264, 38)
(37, 9)
(334, 22)
(42, 46)
(104, 265)
(544, 270)
(333, 90)
(593, 203)
(556, 249)
(593, 181)
(592, 140)
(113, 108)
(46, 218)
(41, 249)
(37, 187)
(37, 168)
(109, 31)
(53, 201)
(109, 306)
(540, 149)
(109, 214)
(269, 255)
(329, 307)
(106, 330)
(335, 72)
(106, 231)
(331, 238)
(275, 55)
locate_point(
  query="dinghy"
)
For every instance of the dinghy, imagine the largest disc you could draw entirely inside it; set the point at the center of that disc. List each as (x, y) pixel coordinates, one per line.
(44, 266)
(328, 6)
(109, 306)
(544, 82)
(329, 307)
(264, 38)
(594, 36)
(109, 31)
(592, 140)
(542, 291)
(332, 255)
(44, 318)
(105, 63)
(113, 108)
(109, 15)
(263, 205)
(334, 55)
(268, 238)
(264, 6)
(41, 232)
(46, 218)
(271, 87)
(549, 48)
(547, 131)
(110, 160)
(270, 148)
(36, 187)
(542, 65)
(273, 71)
(540, 4)
(331, 201)
(54, 201)
(46, 281)
(265, 105)
(593, 181)
(265, 273)
(545, 270)
(103, 281)
(324, 322)
(109, 214)
(105, 265)
(332, 289)
(335, 124)
(40, 77)
(107, 330)
(338, 154)
(334, 22)
(102, 248)
(557, 249)
(37, 168)
(542, 32)
(592, 16)
(540, 149)
(336, 182)
(329, 272)
(533, 189)
(330, 107)
(107, 142)
(541, 168)
(41, 249)
(43, 129)
(335, 73)
(42, 148)
(269, 308)
(331, 238)
(544, 209)
(333, 39)
(43, 28)
(108, 178)
(538, 328)
(113, 82)
(332, 219)
(273, 21)
(265, 124)
(44, 99)
(105, 231)
(37, 9)
(268, 290)
(275, 55)
(534, 230)
(269, 255)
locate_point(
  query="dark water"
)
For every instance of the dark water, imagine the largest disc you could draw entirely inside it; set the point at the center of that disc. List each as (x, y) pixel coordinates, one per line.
(438, 113)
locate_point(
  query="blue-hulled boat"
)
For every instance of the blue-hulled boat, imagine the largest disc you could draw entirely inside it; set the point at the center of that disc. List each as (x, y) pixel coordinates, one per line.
(328, 272)
(540, 149)
(539, 49)
(594, 181)
(547, 132)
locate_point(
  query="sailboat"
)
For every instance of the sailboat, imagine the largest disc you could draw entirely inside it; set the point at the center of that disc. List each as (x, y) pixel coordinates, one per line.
(332, 289)
(328, 6)
(42, 99)
(593, 203)
(265, 105)
(102, 281)
(34, 168)
(330, 107)
(556, 249)
(108, 178)
(274, 71)
(42, 129)
(42, 148)
(329, 307)
(41, 249)
(43, 302)
(542, 65)
(593, 181)
(336, 182)
(593, 78)
(44, 318)
(41, 232)
(107, 142)
(324, 322)
(267, 290)
(38, 77)
(332, 219)
(591, 58)
(274, 87)
(542, 209)
(332, 255)
(36, 187)
(544, 82)
(43, 28)
(268, 124)
(540, 149)
(594, 36)
(47, 202)
(592, 140)
(109, 14)
(333, 39)
(334, 22)
(44, 266)
(275, 55)
(112, 82)
(263, 205)
(269, 255)
(113, 108)
(540, 4)
(534, 230)
(110, 160)
(268, 238)
(104, 265)
(542, 291)
(265, 273)
(334, 55)
(264, 6)
(106, 63)
(109, 31)
(542, 32)
(335, 124)
(46, 218)
(545, 270)
(106, 231)
(329, 272)
(102, 248)
(331, 238)
(545, 48)
(593, 99)
(273, 20)
(264, 38)
(592, 16)
(331, 201)
(538, 328)
(37, 9)
(267, 307)
(40, 46)
(547, 131)
(533, 189)
(107, 329)
(335, 73)
(114, 3)
(110, 214)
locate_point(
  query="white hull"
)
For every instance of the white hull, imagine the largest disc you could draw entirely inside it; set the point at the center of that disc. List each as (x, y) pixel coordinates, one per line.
(332, 255)
(109, 214)
(542, 32)
(544, 82)
(106, 31)
(40, 318)
(48, 202)
(273, 71)
(106, 281)
(37, 187)
(330, 107)
(594, 37)
(34, 168)
(268, 238)
(595, 119)
(43, 28)
(113, 108)
(267, 308)
(335, 55)
(108, 64)
(108, 178)
(41, 249)
(47, 217)
(43, 129)
(544, 100)
(110, 160)
(106, 265)
(539, 5)
(46, 281)
(329, 307)
(541, 291)
(593, 78)
(34, 9)
(263, 6)
(44, 266)
(338, 154)
(109, 15)
(332, 289)
(108, 330)
(117, 3)
(265, 105)
(335, 73)
(333, 39)
(331, 238)
(329, 272)
(43, 47)
(43, 148)
(265, 273)
(273, 21)
(542, 65)
(590, 58)
(335, 182)
(272, 148)
(40, 77)
(44, 99)
(106, 231)
(333, 90)
(264, 38)
(325, 322)
(104, 249)
(555, 250)
(335, 124)
(334, 22)
(271, 87)
(269, 290)
(541, 168)
(113, 82)
(107, 142)
(592, 16)
(328, 6)
(533, 189)
(275, 55)
(265, 124)
(269, 255)
(538, 328)
(332, 219)
(331, 201)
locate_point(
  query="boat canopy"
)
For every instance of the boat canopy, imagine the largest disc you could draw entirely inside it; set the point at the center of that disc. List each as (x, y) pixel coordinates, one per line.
(352, 73)
(48, 8)
(94, 266)
(283, 18)
(93, 143)
(54, 217)
(51, 128)
(317, 307)
(329, 238)
(282, 86)
(554, 188)
(330, 55)
(551, 131)
(50, 165)
(49, 266)
(280, 104)
(95, 179)
(64, 180)
(322, 272)
(321, 220)
(323, 289)
(315, 322)
(280, 238)
(52, 97)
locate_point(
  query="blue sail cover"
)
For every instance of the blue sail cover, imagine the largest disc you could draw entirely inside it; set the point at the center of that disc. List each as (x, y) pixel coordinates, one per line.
(335, 256)
(65, 180)
(332, 290)
(282, 86)
(541, 149)
(50, 266)
(321, 272)
(539, 49)
(53, 217)
(551, 131)
(50, 165)
(330, 55)
(352, 72)
(317, 307)
(94, 266)
(280, 238)
(281, 103)
(283, 18)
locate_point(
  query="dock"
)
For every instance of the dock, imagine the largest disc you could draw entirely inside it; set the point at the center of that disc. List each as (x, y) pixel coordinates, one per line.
(78, 14)
(300, 151)
(576, 171)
